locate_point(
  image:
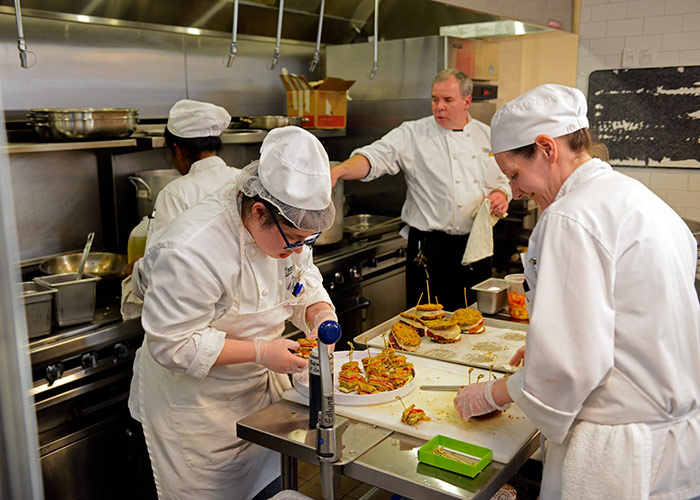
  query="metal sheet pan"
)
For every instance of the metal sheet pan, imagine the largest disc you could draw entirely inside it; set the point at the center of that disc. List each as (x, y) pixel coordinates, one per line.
(494, 347)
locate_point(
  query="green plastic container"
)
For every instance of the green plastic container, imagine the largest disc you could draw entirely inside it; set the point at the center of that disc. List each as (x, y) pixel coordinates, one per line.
(481, 456)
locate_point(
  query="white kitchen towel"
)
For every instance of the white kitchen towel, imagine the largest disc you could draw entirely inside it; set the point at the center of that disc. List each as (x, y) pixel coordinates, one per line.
(131, 305)
(480, 242)
(607, 461)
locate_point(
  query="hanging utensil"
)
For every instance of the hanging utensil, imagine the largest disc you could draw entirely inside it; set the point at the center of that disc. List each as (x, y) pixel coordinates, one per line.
(376, 39)
(317, 52)
(83, 259)
(276, 56)
(234, 36)
(21, 43)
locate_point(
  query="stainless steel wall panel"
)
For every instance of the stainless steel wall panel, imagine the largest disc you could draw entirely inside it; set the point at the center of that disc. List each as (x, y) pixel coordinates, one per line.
(247, 87)
(406, 67)
(56, 201)
(81, 65)
(124, 165)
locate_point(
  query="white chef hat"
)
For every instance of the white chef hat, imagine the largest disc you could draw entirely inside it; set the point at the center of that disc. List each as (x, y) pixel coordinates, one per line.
(189, 119)
(294, 175)
(555, 110)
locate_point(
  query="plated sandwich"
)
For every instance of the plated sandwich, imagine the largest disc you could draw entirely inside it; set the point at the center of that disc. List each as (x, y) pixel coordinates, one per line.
(469, 320)
(349, 379)
(444, 331)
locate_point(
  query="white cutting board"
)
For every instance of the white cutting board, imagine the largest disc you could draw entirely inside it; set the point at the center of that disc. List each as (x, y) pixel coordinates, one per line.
(505, 434)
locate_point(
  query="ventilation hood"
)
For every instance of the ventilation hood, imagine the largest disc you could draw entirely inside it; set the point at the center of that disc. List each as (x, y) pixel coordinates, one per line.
(345, 21)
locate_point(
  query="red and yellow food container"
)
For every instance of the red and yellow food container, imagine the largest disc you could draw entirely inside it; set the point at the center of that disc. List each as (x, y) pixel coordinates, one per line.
(516, 296)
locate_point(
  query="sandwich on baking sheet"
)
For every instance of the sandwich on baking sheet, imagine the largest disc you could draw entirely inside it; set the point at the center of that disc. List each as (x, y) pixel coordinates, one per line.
(429, 311)
(444, 331)
(413, 320)
(404, 337)
(469, 320)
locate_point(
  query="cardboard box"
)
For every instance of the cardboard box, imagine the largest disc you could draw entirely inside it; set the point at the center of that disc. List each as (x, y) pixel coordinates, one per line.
(324, 105)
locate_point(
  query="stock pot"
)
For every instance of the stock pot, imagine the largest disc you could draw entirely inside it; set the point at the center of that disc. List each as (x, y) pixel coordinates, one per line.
(148, 184)
(70, 124)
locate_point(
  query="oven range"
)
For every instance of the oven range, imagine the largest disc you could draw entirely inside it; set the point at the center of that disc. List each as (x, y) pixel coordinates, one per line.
(365, 279)
(89, 445)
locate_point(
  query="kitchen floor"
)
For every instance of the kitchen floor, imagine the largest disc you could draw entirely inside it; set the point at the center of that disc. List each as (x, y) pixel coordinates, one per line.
(310, 485)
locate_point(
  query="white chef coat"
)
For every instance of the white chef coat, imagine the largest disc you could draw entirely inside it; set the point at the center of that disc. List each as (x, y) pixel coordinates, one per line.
(448, 173)
(614, 335)
(206, 280)
(205, 176)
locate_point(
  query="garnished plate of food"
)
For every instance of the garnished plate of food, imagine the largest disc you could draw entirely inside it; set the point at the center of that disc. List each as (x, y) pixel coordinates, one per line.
(365, 380)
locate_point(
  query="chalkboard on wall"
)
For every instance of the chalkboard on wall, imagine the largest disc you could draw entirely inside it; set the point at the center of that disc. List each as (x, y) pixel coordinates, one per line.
(648, 117)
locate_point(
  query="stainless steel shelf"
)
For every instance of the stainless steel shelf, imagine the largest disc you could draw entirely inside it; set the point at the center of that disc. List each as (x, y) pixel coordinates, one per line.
(46, 147)
(144, 140)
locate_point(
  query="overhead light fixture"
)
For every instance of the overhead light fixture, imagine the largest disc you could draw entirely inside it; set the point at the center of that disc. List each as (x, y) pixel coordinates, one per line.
(83, 19)
(193, 31)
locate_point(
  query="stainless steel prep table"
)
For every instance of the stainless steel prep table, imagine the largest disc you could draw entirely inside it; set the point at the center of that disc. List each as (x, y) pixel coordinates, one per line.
(373, 455)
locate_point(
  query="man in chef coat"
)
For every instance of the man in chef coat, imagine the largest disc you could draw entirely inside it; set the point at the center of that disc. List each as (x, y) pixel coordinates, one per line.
(220, 282)
(192, 135)
(449, 171)
(612, 365)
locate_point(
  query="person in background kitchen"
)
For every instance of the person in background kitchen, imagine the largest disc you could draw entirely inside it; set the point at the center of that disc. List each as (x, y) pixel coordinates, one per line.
(612, 365)
(192, 138)
(219, 282)
(449, 170)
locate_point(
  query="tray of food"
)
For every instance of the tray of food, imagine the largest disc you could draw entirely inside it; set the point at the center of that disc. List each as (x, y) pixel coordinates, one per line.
(365, 377)
(463, 336)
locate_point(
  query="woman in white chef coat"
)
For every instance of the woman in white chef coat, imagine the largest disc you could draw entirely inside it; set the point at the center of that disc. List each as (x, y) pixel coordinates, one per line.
(221, 280)
(192, 136)
(612, 366)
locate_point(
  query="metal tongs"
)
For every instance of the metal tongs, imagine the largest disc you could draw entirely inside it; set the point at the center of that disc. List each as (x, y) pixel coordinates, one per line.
(276, 55)
(317, 52)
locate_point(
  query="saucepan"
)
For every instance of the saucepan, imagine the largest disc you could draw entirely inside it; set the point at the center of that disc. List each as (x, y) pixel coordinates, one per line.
(266, 122)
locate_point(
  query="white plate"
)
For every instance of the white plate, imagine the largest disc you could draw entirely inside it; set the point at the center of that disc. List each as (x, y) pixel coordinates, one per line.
(301, 384)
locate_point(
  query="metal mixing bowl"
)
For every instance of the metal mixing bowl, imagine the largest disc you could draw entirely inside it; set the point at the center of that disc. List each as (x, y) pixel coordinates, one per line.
(103, 264)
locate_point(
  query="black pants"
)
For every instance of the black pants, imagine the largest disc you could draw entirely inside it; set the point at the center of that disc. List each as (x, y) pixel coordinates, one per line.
(443, 268)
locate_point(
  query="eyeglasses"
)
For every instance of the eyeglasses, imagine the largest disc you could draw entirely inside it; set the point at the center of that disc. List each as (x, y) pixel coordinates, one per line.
(310, 240)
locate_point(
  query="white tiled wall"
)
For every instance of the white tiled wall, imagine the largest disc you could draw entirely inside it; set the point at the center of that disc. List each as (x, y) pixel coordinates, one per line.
(652, 33)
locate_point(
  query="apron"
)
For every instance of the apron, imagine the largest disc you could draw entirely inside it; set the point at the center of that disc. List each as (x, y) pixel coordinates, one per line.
(190, 425)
